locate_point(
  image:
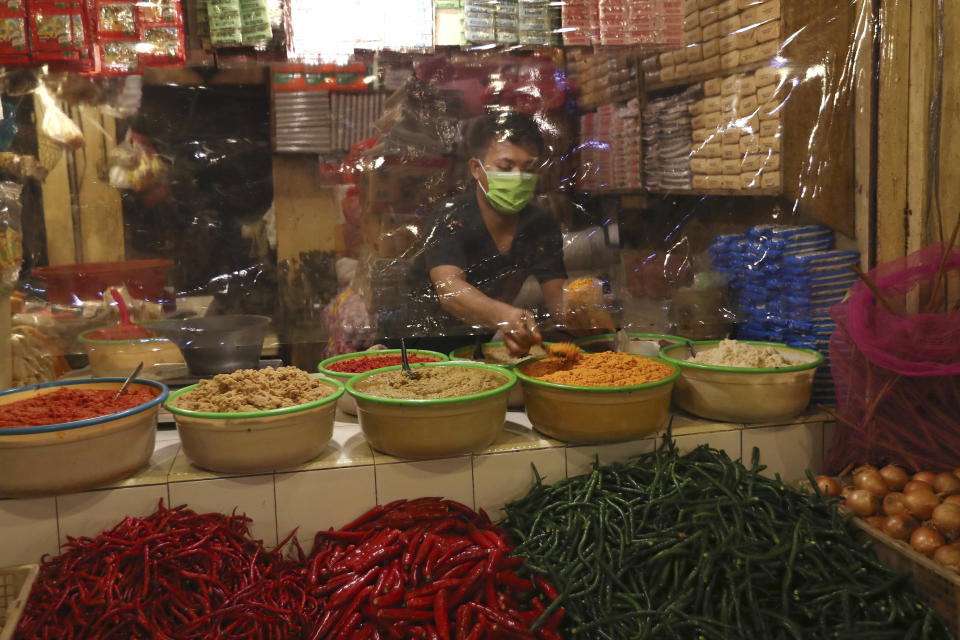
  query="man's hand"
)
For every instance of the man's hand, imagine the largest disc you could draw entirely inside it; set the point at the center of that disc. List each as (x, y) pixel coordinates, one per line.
(520, 331)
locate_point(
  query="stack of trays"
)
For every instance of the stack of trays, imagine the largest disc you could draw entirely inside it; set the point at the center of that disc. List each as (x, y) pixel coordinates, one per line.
(784, 280)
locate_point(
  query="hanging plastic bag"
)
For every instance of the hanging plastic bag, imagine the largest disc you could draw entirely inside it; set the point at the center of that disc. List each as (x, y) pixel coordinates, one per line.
(55, 124)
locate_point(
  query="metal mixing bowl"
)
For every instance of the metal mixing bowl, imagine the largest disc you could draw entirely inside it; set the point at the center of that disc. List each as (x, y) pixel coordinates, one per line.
(217, 344)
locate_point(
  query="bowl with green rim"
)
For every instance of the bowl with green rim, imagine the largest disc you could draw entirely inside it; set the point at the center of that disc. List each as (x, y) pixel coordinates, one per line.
(256, 441)
(586, 414)
(744, 394)
(641, 344)
(346, 402)
(496, 353)
(421, 427)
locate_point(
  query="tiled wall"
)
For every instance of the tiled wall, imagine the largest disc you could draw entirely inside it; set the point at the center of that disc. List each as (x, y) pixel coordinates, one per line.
(350, 477)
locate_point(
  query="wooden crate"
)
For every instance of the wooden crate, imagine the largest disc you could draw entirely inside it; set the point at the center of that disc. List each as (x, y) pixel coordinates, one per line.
(937, 584)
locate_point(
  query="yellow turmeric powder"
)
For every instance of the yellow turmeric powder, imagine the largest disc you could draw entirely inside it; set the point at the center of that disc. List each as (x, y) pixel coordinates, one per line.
(607, 369)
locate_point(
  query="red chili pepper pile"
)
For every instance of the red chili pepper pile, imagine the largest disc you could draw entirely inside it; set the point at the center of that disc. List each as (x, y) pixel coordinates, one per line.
(368, 363)
(172, 575)
(427, 568)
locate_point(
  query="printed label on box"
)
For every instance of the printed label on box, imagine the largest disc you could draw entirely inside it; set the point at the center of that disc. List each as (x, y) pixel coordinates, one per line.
(731, 152)
(730, 60)
(731, 167)
(711, 48)
(711, 87)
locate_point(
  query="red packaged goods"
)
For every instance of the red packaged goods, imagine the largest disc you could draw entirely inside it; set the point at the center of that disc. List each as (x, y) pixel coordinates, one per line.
(51, 31)
(69, 405)
(116, 20)
(162, 46)
(119, 58)
(156, 12)
(13, 38)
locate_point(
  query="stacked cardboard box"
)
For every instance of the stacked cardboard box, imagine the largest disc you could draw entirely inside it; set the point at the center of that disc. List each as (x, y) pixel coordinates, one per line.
(719, 35)
(737, 132)
(602, 78)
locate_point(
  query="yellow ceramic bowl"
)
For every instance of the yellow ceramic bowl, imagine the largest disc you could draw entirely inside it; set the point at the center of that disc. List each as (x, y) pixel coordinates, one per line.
(81, 455)
(346, 403)
(256, 441)
(736, 394)
(592, 415)
(433, 428)
(117, 358)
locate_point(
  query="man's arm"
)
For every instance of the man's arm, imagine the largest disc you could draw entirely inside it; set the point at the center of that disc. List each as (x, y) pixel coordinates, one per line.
(469, 304)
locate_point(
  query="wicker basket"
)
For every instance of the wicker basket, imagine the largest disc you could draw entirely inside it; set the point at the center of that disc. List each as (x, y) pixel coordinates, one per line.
(937, 584)
(15, 585)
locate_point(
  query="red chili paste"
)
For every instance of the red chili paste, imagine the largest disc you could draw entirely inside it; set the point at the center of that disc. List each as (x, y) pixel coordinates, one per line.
(67, 405)
(366, 363)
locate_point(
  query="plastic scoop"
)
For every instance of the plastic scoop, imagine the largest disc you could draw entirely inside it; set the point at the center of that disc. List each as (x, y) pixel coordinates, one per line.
(128, 329)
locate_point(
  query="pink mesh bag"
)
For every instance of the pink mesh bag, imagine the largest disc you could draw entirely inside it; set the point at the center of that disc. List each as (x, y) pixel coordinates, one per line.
(897, 375)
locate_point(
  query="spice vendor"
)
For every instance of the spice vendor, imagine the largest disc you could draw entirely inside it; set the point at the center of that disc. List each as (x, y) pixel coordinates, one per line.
(486, 242)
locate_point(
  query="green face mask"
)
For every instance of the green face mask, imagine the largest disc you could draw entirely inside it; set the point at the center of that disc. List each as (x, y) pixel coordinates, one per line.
(509, 191)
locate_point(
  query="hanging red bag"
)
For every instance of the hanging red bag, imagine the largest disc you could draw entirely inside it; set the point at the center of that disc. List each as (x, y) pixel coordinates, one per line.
(897, 374)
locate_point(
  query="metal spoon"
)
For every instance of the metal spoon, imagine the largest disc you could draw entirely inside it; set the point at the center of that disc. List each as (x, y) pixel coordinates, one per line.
(693, 353)
(478, 348)
(405, 363)
(129, 379)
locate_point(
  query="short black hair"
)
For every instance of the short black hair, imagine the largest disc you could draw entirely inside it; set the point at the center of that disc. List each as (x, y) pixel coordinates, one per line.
(512, 126)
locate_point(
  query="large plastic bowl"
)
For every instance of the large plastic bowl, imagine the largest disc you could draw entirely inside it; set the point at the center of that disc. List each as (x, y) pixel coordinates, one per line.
(256, 441)
(111, 358)
(433, 428)
(217, 344)
(346, 403)
(80, 455)
(638, 343)
(515, 399)
(736, 394)
(592, 415)
(68, 284)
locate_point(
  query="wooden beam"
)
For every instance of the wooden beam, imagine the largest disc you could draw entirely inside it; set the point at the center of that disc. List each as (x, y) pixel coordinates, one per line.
(950, 124)
(57, 205)
(892, 144)
(101, 210)
(863, 132)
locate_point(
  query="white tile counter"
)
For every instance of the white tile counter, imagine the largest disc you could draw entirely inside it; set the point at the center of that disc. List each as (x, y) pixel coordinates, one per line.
(351, 477)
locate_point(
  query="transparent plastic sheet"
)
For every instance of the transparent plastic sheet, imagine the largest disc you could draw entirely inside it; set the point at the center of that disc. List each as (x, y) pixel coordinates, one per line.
(695, 171)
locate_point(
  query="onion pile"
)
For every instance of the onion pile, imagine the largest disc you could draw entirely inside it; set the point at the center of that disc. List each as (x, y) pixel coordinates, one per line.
(922, 509)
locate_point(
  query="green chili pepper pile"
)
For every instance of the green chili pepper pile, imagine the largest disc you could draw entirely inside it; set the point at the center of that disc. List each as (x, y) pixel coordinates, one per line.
(698, 546)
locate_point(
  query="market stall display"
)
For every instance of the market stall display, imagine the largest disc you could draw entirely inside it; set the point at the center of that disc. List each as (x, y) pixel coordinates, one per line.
(698, 545)
(254, 421)
(349, 365)
(751, 386)
(415, 418)
(601, 397)
(81, 438)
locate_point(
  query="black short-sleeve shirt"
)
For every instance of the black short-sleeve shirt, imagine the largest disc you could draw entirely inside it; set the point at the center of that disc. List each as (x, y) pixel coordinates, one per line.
(459, 237)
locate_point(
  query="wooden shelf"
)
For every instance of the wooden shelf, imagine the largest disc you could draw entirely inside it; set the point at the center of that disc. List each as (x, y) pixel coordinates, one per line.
(721, 73)
(715, 192)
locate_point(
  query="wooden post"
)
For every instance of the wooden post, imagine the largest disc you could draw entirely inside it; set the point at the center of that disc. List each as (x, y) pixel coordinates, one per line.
(863, 132)
(57, 208)
(892, 116)
(101, 210)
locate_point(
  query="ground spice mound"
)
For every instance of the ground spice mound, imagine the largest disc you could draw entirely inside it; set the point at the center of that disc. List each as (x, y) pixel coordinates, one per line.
(433, 383)
(607, 369)
(68, 405)
(254, 390)
(730, 353)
